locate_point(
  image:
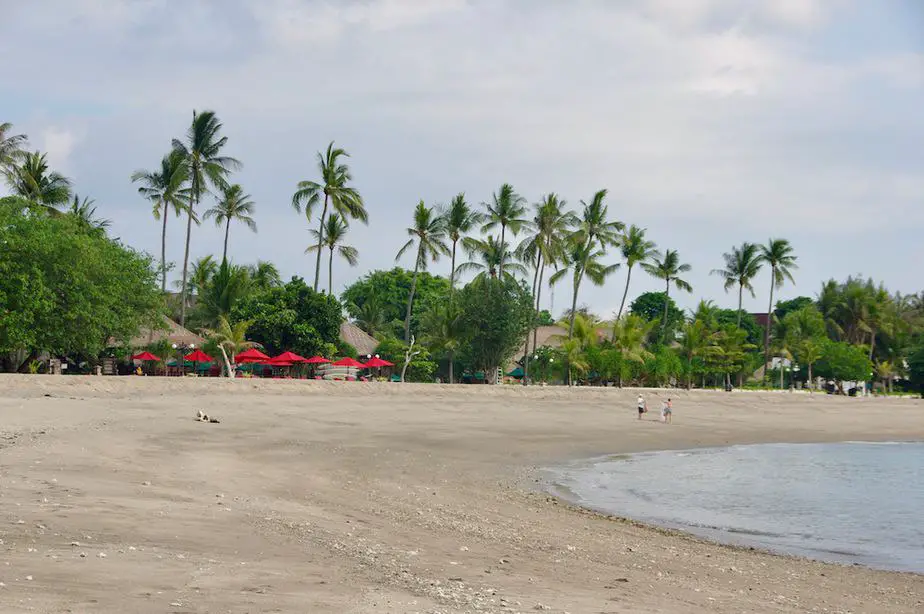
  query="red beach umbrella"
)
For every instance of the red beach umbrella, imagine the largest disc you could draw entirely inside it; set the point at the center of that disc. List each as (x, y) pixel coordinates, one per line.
(290, 357)
(378, 362)
(198, 356)
(146, 357)
(279, 363)
(251, 355)
(348, 362)
(316, 360)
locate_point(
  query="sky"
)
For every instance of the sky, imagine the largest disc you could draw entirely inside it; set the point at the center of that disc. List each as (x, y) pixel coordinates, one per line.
(710, 122)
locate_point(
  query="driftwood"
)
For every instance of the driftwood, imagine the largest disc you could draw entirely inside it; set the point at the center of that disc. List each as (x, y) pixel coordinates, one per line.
(409, 355)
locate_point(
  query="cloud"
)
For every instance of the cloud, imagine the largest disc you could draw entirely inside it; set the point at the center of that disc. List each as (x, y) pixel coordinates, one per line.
(59, 144)
(710, 121)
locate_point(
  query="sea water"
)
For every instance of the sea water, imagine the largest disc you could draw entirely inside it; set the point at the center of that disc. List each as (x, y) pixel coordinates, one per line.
(855, 503)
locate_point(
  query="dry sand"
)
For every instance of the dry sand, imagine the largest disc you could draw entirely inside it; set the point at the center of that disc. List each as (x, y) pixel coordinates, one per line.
(351, 497)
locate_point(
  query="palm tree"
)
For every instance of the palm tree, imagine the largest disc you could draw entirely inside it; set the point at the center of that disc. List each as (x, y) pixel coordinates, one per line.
(694, 339)
(635, 249)
(33, 181)
(778, 255)
(200, 274)
(668, 268)
(231, 340)
(708, 312)
(582, 260)
(165, 188)
(234, 205)
(221, 291)
(506, 211)
(629, 335)
(205, 166)
(334, 232)
(742, 265)
(11, 147)
(85, 212)
(459, 220)
(264, 276)
(345, 199)
(371, 315)
(429, 233)
(487, 255)
(443, 331)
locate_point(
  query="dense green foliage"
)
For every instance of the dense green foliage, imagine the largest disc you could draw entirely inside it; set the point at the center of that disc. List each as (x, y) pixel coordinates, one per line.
(650, 306)
(843, 362)
(381, 298)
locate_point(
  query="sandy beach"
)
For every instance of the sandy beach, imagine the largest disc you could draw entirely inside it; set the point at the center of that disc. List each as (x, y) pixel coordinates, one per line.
(348, 497)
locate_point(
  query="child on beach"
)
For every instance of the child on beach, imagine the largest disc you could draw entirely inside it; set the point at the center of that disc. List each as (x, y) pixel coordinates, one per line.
(666, 407)
(642, 406)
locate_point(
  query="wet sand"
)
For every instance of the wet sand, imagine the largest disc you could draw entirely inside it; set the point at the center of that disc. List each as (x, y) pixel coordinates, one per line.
(352, 497)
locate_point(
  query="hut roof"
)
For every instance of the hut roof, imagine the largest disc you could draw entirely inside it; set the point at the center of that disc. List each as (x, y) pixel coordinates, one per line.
(358, 338)
(171, 331)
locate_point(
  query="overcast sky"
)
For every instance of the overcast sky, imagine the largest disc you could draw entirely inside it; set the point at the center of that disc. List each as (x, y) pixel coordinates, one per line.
(711, 122)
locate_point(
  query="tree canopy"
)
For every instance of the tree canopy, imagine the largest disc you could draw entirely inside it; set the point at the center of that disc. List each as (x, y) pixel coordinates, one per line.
(389, 290)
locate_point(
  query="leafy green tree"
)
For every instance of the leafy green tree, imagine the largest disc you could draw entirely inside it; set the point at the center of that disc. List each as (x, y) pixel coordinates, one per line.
(338, 194)
(778, 255)
(804, 331)
(784, 307)
(506, 211)
(292, 317)
(420, 369)
(390, 289)
(742, 265)
(668, 268)
(33, 180)
(545, 318)
(335, 231)
(205, 166)
(630, 333)
(495, 315)
(754, 334)
(843, 362)
(663, 366)
(166, 189)
(429, 235)
(67, 289)
(459, 219)
(636, 249)
(727, 352)
(916, 368)
(694, 339)
(652, 306)
(444, 333)
(234, 205)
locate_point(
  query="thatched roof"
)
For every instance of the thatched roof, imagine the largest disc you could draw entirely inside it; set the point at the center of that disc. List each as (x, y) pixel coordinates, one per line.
(172, 332)
(357, 337)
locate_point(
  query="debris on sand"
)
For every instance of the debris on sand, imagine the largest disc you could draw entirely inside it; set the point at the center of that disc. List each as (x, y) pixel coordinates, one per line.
(204, 417)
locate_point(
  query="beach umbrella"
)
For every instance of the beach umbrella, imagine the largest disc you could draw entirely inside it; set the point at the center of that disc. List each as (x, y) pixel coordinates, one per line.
(316, 360)
(348, 362)
(378, 362)
(146, 357)
(251, 355)
(198, 356)
(290, 357)
(517, 373)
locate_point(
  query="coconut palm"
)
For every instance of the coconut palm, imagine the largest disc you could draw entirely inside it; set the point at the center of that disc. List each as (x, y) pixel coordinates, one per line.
(595, 226)
(443, 331)
(459, 219)
(233, 205)
(429, 234)
(486, 257)
(200, 274)
(231, 340)
(506, 211)
(635, 249)
(694, 339)
(201, 151)
(708, 312)
(221, 291)
(778, 255)
(11, 147)
(582, 260)
(370, 316)
(742, 265)
(264, 276)
(668, 268)
(85, 212)
(165, 188)
(338, 194)
(630, 333)
(35, 182)
(334, 232)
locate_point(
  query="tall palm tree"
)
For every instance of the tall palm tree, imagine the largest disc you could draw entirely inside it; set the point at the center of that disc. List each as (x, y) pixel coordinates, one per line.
(668, 268)
(205, 165)
(429, 234)
(635, 249)
(742, 265)
(345, 199)
(629, 335)
(487, 255)
(506, 211)
(200, 275)
(34, 181)
(459, 219)
(11, 147)
(264, 275)
(582, 261)
(85, 212)
(165, 188)
(334, 232)
(221, 290)
(234, 205)
(778, 255)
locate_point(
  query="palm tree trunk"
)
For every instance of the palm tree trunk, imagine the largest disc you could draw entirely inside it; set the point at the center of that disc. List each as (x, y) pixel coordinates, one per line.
(767, 327)
(538, 295)
(872, 343)
(533, 325)
(500, 268)
(577, 286)
(451, 374)
(224, 254)
(330, 273)
(452, 274)
(667, 297)
(740, 297)
(186, 263)
(410, 300)
(317, 266)
(811, 382)
(163, 253)
(625, 293)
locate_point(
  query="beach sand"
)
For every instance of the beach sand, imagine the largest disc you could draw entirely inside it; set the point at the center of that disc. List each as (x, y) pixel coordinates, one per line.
(352, 497)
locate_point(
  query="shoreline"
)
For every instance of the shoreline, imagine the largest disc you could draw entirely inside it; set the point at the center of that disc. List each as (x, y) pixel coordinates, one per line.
(363, 497)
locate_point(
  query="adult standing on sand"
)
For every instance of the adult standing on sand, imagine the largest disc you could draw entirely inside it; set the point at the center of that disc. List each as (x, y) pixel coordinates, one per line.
(666, 407)
(642, 405)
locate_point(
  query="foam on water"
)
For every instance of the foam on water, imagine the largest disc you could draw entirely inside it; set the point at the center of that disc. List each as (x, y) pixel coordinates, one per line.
(851, 502)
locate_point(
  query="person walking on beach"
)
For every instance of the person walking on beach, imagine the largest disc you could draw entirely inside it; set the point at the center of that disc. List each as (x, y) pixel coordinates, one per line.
(642, 406)
(666, 407)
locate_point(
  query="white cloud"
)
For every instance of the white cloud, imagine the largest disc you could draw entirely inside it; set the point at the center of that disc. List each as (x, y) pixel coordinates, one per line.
(59, 144)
